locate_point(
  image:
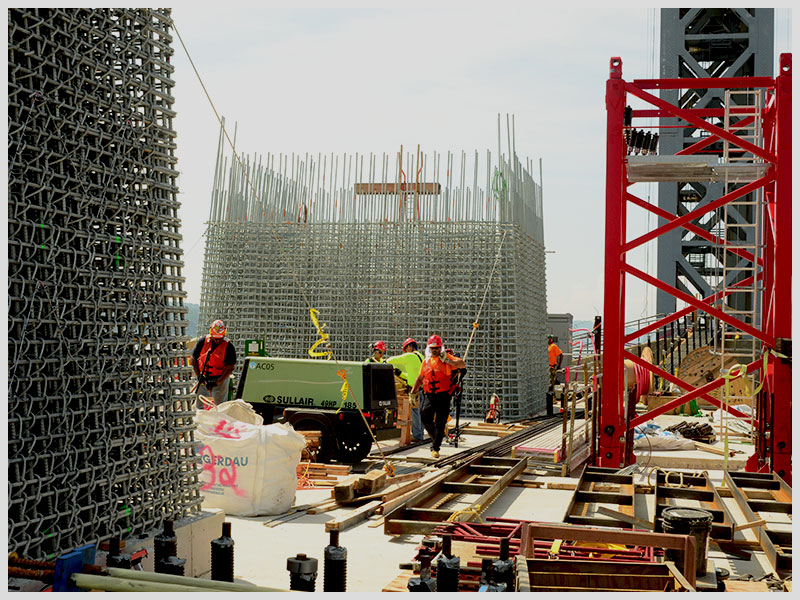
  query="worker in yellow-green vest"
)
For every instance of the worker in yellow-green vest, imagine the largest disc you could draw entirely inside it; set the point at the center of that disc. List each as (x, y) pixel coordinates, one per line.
(409, 364)
(378, 351)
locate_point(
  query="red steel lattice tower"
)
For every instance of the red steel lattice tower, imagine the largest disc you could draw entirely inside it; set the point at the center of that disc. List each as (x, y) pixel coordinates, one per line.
(770, 173)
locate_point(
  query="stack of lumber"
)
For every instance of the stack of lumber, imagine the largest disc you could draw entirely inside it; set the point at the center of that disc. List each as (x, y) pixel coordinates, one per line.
(315, 475)
(373, 494)
(367, 495)
(313, 440)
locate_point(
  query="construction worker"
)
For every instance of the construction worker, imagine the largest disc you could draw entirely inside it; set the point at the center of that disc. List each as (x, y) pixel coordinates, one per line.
(435, 379)
(213, 360)
(378, 350)
(555, 355)
(409, 364)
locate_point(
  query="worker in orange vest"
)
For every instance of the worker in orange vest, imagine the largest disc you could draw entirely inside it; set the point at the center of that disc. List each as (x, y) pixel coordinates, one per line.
(213, 360)
(435, 379)
(555, 356)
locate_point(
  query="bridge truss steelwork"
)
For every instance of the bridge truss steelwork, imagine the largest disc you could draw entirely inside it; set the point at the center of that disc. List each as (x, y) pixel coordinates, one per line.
(705, 42)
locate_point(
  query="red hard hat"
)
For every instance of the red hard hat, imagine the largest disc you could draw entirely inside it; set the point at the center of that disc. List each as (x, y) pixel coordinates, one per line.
(409, 341)
(435, 340)
(217, 330)
(379, 345)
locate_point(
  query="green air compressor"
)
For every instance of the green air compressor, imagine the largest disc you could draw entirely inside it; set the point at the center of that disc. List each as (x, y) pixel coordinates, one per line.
(307, 394)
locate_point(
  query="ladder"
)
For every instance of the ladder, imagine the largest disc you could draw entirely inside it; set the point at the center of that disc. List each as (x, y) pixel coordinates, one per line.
(740, 228)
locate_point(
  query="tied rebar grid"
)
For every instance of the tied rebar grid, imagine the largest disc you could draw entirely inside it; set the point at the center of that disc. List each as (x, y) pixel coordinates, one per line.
(385, 256)
(100, 435)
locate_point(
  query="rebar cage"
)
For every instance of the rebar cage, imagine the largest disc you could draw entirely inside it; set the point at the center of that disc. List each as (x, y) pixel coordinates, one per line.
(383, 256)
(100, 429)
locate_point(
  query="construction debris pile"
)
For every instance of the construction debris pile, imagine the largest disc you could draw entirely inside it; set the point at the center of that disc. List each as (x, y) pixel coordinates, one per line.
(383, 250)
(99, 437)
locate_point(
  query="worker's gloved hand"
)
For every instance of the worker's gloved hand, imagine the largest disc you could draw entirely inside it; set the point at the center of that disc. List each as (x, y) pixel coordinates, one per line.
(413, 399)
(211, 383)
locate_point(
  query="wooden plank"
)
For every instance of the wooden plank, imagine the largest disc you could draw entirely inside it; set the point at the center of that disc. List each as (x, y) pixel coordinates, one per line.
(399, 583)
(713, 449)
(404, 477)
(391, 491)
(379, 189)
(354, 517)
(750, 525)
(684, 583)
(345, 490)
(733, 585)
(523, 578)
(329, 505)
(370, 482)
(627, 518)
(407, 526)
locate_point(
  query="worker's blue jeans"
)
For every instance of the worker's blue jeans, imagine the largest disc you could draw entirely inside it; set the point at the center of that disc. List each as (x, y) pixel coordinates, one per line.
(435, 409)
(417, 431)
(219, 393)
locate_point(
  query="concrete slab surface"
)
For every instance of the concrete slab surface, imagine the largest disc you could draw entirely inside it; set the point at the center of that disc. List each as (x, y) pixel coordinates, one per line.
(373, 558)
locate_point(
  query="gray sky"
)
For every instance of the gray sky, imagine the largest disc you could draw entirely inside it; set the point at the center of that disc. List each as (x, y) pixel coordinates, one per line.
(313, 80)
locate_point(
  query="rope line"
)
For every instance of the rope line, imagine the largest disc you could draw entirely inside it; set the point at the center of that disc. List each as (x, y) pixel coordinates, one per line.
(312, 311)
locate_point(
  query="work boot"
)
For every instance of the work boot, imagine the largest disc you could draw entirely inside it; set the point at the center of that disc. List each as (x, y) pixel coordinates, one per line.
(435, 453)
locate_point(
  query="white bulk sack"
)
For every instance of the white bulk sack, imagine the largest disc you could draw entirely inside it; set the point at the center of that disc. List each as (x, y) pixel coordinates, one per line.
(248, 469)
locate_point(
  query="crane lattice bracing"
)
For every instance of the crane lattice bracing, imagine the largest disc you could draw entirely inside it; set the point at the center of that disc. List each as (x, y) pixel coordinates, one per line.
(768, 172)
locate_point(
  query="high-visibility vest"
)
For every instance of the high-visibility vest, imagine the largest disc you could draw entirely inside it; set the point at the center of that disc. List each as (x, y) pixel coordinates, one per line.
(214, 357)
(553, 352)
(409, 364)
(436, 375)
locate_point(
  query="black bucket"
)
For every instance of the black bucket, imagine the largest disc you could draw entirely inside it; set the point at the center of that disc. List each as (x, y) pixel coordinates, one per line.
(688, 521)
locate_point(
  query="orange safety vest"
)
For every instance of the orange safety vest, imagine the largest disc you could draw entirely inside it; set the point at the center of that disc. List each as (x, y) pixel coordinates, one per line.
(436, 378)
(553, 352)
(215, 358)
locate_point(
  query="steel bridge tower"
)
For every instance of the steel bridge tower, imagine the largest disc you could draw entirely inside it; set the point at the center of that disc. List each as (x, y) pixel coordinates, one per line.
(706, 42)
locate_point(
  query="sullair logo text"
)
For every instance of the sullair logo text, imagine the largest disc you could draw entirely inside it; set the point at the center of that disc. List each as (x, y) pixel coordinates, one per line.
(294, 400)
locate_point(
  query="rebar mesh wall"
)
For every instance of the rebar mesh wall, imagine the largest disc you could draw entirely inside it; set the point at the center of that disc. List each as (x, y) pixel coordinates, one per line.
(100, 438)
(381, 258)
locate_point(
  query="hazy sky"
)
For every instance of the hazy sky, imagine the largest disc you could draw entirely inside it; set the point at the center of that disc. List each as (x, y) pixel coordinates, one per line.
(347, 80)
